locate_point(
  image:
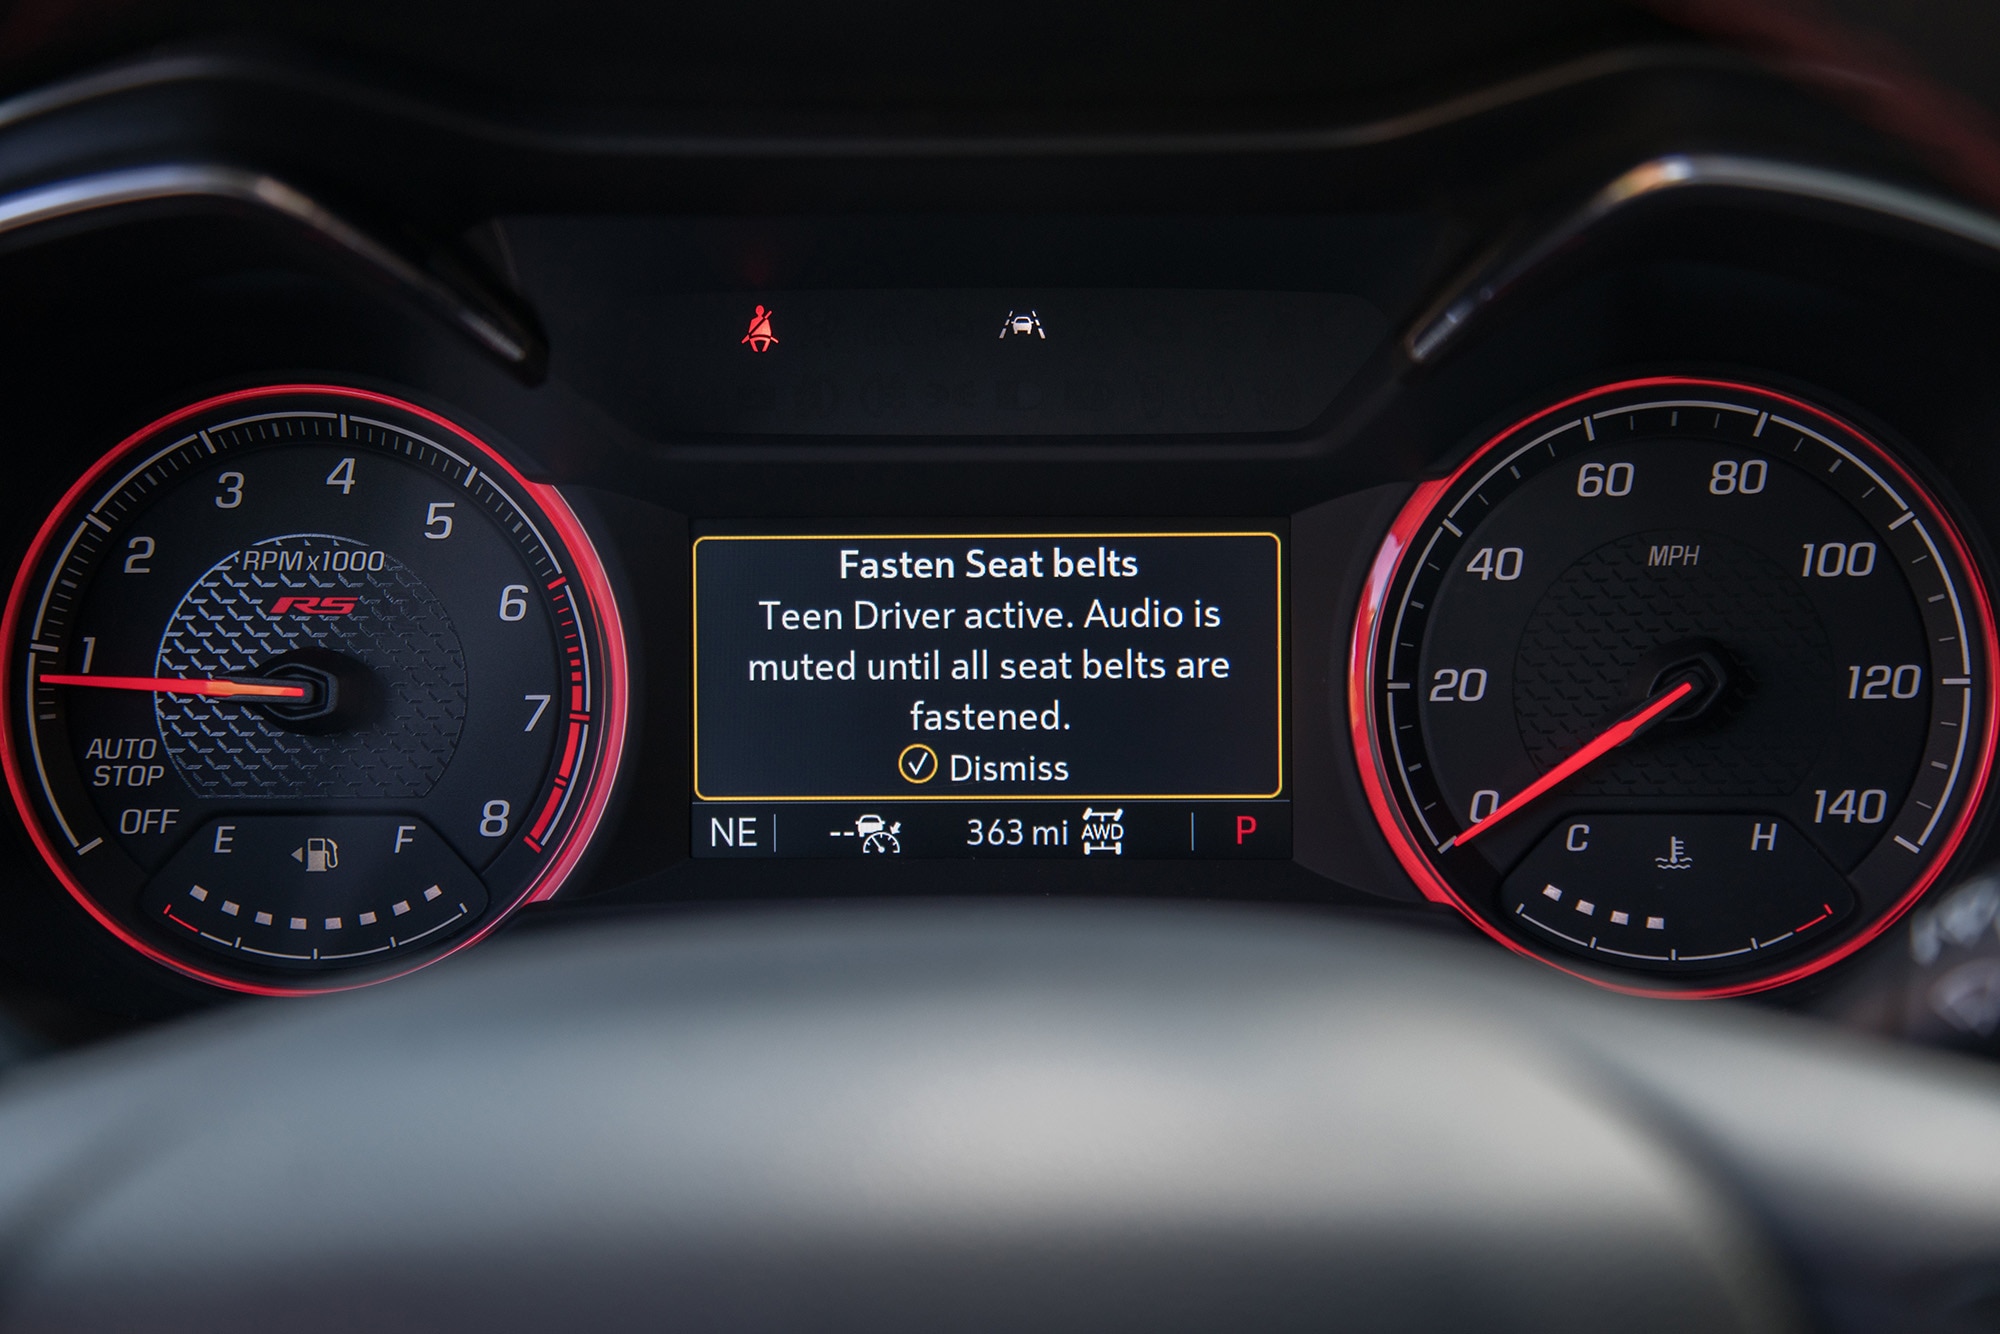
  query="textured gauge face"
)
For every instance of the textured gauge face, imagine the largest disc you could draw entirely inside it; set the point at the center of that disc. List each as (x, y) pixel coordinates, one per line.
(1682, 686)
(308, 687)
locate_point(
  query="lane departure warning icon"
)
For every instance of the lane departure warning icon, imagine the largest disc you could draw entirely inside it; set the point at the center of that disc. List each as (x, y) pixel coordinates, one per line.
(1020, 324)
(760, 338)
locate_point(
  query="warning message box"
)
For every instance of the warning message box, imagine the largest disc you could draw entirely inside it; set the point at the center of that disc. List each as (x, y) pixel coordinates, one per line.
(1018, 666)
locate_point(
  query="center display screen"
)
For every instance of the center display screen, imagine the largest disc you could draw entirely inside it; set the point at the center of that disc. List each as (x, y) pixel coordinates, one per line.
(1028, 694)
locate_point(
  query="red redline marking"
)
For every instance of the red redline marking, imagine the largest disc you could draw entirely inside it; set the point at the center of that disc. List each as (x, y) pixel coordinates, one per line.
(172, 685)
(1814, 922)
(548, 810)
(169, 911)
(569, 751)
(560, 582)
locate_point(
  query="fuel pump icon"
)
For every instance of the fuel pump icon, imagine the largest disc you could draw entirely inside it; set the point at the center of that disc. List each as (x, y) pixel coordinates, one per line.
(319, 854)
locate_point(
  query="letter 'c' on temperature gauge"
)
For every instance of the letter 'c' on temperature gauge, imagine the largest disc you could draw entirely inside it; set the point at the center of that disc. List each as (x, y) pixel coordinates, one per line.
(1681, 686)
(307, 687)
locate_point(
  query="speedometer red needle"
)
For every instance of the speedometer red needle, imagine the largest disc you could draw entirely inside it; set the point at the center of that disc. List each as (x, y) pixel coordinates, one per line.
(1610, 739)
(173, 685)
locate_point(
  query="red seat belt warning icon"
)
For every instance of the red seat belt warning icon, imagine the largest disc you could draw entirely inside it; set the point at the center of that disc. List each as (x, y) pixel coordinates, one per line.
(760, 338)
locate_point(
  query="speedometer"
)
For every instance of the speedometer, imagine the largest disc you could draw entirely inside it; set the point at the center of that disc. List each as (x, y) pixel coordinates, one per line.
(307, 686)
(1680, 685)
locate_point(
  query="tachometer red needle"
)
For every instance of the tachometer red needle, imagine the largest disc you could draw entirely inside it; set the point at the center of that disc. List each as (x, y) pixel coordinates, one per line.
(171, 685)
(1610, 739)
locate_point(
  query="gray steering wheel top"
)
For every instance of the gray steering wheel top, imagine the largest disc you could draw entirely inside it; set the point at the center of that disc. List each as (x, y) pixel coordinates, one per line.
(995, 1117)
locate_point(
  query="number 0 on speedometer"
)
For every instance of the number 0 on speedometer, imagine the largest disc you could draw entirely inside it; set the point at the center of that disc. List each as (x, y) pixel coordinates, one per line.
(1683, 686)
(307, 686)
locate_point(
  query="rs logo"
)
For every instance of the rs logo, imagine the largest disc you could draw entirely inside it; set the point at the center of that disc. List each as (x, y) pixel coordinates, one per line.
(319, 606)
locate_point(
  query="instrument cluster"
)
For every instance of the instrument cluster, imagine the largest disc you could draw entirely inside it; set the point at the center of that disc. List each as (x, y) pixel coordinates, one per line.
(1605, 572)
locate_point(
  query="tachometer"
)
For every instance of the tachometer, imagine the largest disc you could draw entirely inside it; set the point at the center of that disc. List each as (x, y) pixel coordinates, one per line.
(307, 686)
(1681, 685)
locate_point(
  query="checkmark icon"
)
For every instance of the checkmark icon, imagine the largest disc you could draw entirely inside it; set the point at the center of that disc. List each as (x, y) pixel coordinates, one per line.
(917, 764)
